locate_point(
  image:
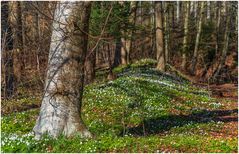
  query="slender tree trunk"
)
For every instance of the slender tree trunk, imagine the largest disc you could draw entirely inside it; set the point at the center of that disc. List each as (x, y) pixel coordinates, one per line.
(218, 26)
(178, 11)
(90, 68)
(166, 31)
(191, 7)
(159, 36)
(185, 38)
(215, 10)
(173, 14)
(117, 53)
(7, 48)
(195, 10)
(199, 29)
(236, 24)
(213, 65)
(153, 28)
(16, 25)
(225, 43)
(128, 35)
(37, 37)
(61, 105)
(208, 10)
(110, 74)
(132, 20)
(123, 52)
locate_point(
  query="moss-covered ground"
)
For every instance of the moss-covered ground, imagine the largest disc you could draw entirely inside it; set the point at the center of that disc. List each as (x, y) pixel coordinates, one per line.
(143, 110)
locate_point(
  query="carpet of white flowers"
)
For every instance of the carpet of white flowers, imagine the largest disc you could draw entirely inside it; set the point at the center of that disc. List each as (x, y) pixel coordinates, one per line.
(143, 110)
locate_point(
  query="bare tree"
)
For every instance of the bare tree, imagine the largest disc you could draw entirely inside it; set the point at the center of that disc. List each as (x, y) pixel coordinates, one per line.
(61, 105)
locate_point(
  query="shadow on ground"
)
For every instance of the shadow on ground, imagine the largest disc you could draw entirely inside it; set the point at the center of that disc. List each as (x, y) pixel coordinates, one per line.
(165, 123)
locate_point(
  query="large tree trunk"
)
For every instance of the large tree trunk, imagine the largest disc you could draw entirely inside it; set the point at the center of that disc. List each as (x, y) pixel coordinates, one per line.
(185, 38)
(199, 29)
(7, 48)
(61, 105)
(159, 36)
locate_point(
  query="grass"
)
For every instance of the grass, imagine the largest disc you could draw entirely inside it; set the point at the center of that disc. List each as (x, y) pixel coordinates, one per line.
(143, 110)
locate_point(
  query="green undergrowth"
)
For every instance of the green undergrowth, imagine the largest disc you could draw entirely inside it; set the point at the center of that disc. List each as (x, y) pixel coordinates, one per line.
(19, 104)
(143, 110)
(137, 64)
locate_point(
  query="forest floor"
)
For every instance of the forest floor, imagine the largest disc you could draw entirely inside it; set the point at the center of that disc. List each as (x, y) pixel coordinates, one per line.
(143, 110)
(227, 94)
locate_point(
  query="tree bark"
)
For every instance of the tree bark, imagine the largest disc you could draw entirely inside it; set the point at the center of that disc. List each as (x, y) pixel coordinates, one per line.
(199, 29)
(61, 105)
(159, 37)
(185, 38)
